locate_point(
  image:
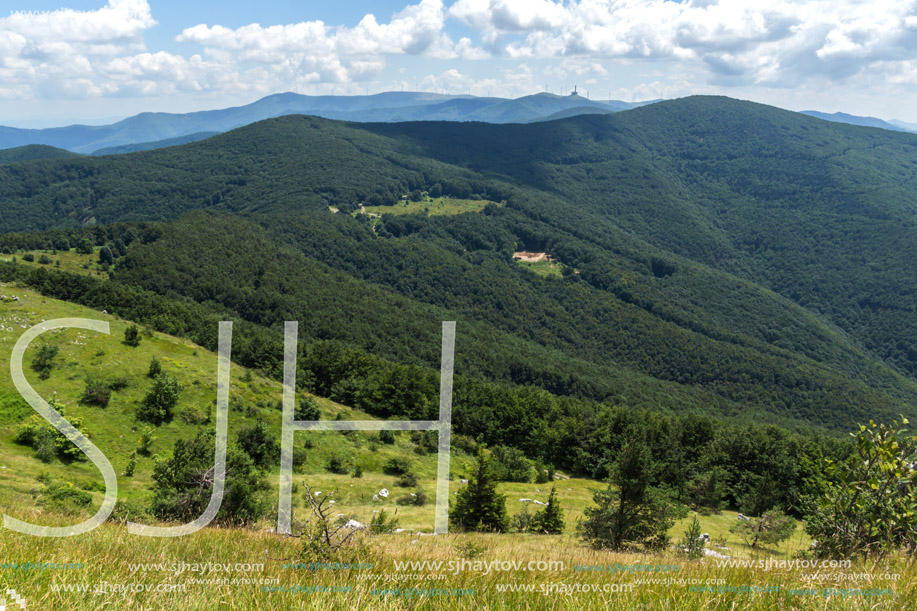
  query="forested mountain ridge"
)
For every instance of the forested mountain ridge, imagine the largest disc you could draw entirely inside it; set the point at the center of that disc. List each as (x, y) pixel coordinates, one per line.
(158, 129)
(711, 255)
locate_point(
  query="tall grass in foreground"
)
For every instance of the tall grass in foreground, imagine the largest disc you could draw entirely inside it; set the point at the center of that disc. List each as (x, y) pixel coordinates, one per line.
(107, 552)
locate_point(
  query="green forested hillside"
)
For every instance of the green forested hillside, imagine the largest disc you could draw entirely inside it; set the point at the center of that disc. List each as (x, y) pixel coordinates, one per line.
(716, 256)
(33, 152)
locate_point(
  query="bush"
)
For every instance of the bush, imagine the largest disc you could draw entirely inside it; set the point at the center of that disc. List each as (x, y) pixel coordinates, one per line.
(146, 440)
(544, 474)
(162, 398)
(511, 465)
(45, 260)
(867, 509)
(337, 465)
(184, 481)
(522, 521)
(306, 409)
(131, 465)
(155, 368)
(382, 523)
(425, 442)
(132, 336)
(396, 466)
(418, 498)
(28, 257)
(43, 361)
(357, 472)
(258, 442)
(772, 527)
(84, 247)
(407, 480)
(119, 383)
(47, 441)
(96, 392)
(706, 491)
(387, 437)
(65, 499)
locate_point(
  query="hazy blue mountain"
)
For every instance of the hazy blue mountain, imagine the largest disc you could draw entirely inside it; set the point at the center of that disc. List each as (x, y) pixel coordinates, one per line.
(161, 129)
(911, 127)
(842, 117)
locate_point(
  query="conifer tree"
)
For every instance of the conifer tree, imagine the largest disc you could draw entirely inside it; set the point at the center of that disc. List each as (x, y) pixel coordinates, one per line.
(478, 506)
(550, 520)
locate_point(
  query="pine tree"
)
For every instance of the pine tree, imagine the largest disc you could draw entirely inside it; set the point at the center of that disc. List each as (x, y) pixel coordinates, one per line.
(550, 520)
(693, 544)
(478, 506)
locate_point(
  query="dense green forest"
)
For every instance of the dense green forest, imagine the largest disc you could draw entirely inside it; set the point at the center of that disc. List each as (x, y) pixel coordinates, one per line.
(716, 257)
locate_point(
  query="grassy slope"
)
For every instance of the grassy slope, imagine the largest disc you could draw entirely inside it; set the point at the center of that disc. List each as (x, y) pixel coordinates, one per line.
(70, 261)
(114, 431)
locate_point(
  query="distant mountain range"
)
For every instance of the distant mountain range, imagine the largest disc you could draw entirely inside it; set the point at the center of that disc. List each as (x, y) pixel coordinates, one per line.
(148, 131)
(842, 117)
(157, 130)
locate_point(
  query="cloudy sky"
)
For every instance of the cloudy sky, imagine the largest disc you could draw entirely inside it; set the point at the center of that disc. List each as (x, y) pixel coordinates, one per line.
(96, 60)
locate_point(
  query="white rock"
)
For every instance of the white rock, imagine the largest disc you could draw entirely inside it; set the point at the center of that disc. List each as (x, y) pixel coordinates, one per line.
(354, 525)
(525, 500)
(710, 552)
(383, 493)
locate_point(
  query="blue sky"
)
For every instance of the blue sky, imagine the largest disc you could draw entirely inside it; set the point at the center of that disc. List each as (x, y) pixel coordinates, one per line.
(95, 60)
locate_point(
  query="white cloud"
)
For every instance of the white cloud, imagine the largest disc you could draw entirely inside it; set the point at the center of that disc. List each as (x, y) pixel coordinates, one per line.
(77, 54)
(338, 53)
(780, 42)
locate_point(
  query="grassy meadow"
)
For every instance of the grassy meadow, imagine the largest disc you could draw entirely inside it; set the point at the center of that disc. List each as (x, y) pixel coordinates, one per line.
(432, 206)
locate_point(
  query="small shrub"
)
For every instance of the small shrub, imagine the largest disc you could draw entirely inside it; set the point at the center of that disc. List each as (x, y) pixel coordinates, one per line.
(522, 521)
(155, 368)
(146, 440)
(65, 499)
(162, 398)
(337, 465)
(387, 437)
(43, 361)
(96, 392)
(357, 472)
(418, 498)
(132, 336)
(693, 545)
(131, 465)
(119, 383)
(407, 480)
(470, 549)
(258, 442)
(306, 409)
(396, 466)
(382, 523)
